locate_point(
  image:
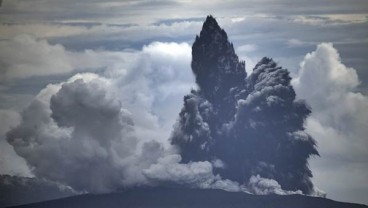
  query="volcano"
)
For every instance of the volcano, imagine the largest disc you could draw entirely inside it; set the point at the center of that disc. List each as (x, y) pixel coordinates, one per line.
(162, 197)
(250, 126)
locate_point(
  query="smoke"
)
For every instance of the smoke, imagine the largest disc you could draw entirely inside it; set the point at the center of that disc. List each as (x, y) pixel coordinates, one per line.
(235, 132)
(264, 186)
(253, 124)
(78, 134)
(10, 163)
(99, 133)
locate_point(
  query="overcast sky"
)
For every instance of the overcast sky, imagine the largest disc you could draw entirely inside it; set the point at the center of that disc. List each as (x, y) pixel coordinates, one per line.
(143, 49)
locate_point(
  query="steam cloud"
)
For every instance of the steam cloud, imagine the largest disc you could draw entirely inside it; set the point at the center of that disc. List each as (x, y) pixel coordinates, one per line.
(78, 134)
(234, 132)
(76, 138)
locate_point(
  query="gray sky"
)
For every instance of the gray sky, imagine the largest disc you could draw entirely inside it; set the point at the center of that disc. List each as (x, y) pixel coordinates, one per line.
(48, 41)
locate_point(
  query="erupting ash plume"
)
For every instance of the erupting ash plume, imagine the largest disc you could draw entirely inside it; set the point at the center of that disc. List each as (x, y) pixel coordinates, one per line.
(235, 132)
(249, 126)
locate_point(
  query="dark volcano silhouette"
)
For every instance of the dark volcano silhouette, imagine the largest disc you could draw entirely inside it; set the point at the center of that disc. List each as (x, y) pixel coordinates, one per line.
(192, 198)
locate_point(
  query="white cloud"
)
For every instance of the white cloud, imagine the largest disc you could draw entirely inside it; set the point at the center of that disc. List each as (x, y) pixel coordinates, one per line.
(100, 31)
(339, 120)
(328, 86)
(154, 85)
(329, 19)
(237, 19)
(9, 119)
(25, 56)
(151, 82)
(217, 163)
(145, 82)
(40, 30)
(81, 137)
(296, 43)
(191, 174)
(246, 48)
(77, 133)
(265, 186)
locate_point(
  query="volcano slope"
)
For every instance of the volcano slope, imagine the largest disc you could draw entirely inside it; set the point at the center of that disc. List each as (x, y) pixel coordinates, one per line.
(191, 198)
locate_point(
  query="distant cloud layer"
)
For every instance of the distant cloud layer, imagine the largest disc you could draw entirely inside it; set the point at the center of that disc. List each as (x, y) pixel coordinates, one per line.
(37, 58)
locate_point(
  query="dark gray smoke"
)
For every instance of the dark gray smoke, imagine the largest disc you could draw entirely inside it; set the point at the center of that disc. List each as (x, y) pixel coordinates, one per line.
(252, 124)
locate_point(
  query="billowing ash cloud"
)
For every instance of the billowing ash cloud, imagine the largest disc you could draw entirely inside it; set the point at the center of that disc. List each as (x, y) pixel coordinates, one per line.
(253, 125)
